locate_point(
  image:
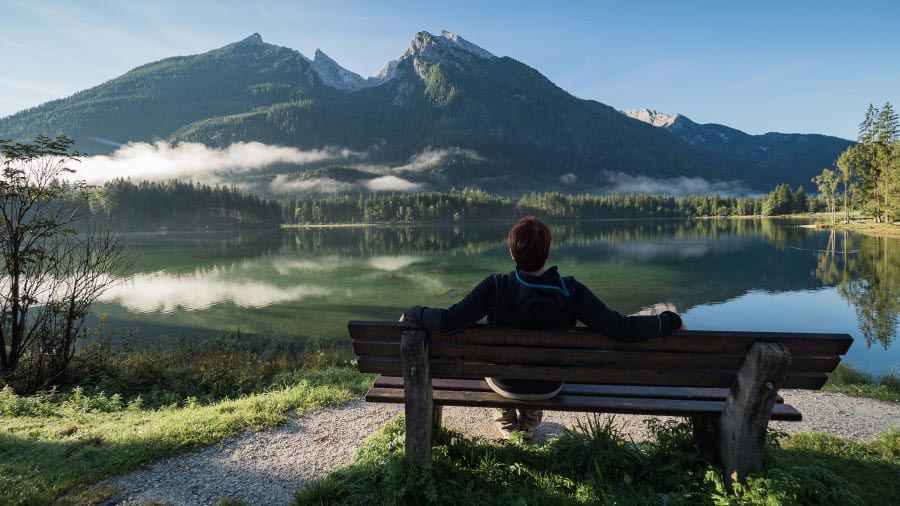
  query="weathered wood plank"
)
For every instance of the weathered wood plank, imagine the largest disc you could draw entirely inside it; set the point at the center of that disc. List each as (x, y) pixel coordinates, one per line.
(606, 375)
(580, 403)
(655, 392)
(581, 337)
(586, 357)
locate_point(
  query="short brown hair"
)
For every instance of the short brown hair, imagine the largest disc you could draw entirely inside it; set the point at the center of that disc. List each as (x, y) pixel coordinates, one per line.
(529, 242)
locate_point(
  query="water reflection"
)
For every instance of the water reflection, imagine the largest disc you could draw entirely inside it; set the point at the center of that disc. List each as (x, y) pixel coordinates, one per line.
(726, 274)
(866, 271)
(165, 293)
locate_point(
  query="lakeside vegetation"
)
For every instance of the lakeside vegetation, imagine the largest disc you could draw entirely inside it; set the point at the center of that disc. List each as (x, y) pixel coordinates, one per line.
(851, 380)
(598, 464)
(125, 408)
(867, 176)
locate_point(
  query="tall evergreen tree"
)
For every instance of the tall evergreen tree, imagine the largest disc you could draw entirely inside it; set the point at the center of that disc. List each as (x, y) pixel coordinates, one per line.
(800, 202)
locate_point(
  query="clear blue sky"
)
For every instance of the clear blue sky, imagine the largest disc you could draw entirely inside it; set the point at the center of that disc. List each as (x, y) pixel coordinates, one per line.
(759, 66)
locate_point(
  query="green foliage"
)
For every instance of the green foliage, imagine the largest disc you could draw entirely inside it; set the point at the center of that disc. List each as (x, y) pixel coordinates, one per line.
(55, 261)
(870, 170)
(595, 464)
(201, 369)
(136, 406)
(470, 205)
(180, 205)
(851, 380)
(52, 447)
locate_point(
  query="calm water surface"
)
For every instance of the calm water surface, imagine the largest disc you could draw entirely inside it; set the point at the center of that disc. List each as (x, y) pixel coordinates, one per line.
(720, 274)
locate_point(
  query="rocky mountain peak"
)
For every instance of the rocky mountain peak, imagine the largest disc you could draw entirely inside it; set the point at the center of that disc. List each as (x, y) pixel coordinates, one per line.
(253, 40)
(446, 46)
(652, 117)
(334, 75)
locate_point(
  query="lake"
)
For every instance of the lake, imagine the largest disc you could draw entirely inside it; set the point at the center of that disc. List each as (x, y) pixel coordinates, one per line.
(741, 274)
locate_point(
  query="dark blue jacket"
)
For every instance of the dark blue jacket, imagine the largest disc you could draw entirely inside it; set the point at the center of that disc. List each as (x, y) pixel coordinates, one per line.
(518, 299)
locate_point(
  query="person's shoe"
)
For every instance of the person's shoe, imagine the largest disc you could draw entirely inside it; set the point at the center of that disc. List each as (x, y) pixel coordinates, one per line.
(528, 421)
(506, 421)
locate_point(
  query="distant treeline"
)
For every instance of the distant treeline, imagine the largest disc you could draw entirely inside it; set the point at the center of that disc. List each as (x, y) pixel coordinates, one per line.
(179, 205)
(469, 205)
(174, 204)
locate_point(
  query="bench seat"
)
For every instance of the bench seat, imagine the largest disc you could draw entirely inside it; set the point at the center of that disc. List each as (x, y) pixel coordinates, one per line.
(673, 401)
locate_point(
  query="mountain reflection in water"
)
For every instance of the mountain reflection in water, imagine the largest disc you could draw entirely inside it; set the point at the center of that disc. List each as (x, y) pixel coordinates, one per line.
(724, 274)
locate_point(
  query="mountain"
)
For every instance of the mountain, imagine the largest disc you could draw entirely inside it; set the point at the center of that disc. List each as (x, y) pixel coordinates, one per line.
(446, 113)
(795, 158)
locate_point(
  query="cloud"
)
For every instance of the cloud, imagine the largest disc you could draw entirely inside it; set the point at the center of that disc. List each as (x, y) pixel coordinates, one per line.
(162, 161)
(430, 157)
(282, 184)
(391, 183)
(619, 182)
(568, 178)
(195, 162)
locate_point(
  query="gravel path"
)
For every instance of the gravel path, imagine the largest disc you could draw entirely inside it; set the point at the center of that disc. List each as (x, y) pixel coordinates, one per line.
(267, 467)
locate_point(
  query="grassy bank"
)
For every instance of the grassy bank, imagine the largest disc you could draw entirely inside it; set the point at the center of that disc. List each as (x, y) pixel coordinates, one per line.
(866, 227)
(850, 380)
(134, 406)
(599, 465)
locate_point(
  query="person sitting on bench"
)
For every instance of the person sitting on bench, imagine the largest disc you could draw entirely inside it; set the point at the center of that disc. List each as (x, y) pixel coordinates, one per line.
(533, 296)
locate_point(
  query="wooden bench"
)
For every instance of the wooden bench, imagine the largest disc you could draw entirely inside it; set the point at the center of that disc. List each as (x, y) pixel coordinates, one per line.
(726, 382)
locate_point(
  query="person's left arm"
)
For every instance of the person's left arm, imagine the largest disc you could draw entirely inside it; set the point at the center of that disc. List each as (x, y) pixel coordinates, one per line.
(595, 314)
(472, 308)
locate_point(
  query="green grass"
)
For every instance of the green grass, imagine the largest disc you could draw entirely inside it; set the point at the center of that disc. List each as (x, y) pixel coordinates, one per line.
(850, 380)
(51, 444)
(867, 227)
(598, 465)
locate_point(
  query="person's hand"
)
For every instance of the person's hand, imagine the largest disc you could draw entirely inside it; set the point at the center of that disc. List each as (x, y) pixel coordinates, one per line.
(402, 318)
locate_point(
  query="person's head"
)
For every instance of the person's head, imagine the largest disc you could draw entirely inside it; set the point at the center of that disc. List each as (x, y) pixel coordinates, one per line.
(529, 244)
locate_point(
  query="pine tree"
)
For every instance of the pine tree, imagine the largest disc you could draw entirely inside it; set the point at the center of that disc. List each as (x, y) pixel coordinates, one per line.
(867, 126)
(886, 130)
(800, 203)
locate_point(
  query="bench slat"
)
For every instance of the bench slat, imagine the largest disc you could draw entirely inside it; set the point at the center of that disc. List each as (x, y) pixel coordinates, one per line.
(656, 392)
(704, 341)
(604, 375)
(642, 406)
(582, 356)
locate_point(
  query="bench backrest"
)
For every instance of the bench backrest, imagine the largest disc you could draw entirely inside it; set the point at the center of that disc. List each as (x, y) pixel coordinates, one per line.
(699, 358)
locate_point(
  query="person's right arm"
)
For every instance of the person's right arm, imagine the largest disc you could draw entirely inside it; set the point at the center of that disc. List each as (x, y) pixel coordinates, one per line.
(595, 314)
(472, 308)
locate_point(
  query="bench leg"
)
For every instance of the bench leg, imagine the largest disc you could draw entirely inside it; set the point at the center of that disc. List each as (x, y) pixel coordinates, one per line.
(418, 396)
(436, 421)
(742, 426)
(706, 436)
